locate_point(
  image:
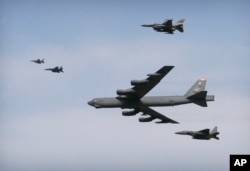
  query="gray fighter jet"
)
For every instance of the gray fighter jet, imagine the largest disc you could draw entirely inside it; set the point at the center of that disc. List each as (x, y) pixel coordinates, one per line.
(204, 134)
(133, 98)
(56, 69)
(167, 26)
(38, 61)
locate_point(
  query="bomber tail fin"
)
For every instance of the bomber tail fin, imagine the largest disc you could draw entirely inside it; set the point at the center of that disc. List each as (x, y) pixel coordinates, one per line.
(198, 86)
(197, 93)
(199, 98)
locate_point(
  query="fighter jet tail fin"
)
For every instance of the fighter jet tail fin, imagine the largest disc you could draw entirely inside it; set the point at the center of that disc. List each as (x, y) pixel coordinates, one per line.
(179, 25)
(214, 133)
(179, 28)
(180, 22)
(214, 130)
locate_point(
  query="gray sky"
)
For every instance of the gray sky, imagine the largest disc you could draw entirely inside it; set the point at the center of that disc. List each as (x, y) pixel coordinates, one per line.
(45, 121)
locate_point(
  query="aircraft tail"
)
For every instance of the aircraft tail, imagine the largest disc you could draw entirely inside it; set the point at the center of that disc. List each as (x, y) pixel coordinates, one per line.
(198, 86)
(179, 25)
(197, 93)
(214, 133)
(180, 22)
(179, 28)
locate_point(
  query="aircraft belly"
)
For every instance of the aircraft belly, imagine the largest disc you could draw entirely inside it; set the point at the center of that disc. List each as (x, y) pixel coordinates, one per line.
(200, 136)
(164, 101)
(145, 101)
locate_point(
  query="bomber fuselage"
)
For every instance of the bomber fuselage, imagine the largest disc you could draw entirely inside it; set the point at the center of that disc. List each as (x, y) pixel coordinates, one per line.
(116, 102)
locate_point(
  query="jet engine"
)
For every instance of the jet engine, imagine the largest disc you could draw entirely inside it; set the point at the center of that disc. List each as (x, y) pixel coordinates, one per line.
(125, 92)
(149, 119)
(130, 112)
(154, 75)
(139, 82)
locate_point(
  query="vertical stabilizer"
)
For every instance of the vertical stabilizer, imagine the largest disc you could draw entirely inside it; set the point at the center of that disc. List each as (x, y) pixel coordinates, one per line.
(179, 25)
(214, 130)
(214, 133)
(198, 86)
(180, 22)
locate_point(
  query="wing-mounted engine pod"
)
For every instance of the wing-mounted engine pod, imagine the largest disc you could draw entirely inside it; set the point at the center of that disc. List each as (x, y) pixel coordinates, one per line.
(129, 91)
(130, 112)
(139, 82)
(148, 119)
(154, 75)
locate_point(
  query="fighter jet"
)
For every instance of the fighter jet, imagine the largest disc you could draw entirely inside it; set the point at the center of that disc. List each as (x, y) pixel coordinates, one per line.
(167, 26)
(133, 98)
(204, 134)
(38, 61)
(56, 69)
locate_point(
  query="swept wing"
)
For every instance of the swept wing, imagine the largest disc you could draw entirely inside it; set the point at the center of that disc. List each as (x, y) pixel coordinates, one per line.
(142, 87)
(154, 115)
(168, 23)
(204, 131)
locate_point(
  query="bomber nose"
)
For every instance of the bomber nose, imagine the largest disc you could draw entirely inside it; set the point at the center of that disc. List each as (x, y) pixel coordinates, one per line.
(91, 103)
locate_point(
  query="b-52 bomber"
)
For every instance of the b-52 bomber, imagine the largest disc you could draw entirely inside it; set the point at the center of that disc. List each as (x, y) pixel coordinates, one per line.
(204, 134)
(56, 69)
(38, 61)
(167, 26)
(133, 98)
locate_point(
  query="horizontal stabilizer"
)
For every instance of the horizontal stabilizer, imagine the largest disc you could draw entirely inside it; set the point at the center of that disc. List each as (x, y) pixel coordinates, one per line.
(180, 28)
(202, 103)
(200, 95)
(199, 98)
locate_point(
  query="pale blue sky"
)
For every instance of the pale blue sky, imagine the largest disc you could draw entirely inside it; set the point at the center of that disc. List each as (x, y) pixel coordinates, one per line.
(45, 120)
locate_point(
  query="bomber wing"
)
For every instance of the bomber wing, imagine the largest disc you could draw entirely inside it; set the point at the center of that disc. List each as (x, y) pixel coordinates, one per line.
(154, 115)
(142, 87)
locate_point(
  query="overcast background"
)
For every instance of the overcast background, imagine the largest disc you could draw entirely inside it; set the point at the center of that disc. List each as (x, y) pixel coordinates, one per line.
(45, 121)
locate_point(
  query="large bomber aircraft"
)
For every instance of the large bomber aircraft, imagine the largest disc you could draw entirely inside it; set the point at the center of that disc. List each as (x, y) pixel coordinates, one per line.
(204, 134)
(167, 26)
(133, 98)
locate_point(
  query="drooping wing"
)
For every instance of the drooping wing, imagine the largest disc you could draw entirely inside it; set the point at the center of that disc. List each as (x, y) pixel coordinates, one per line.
(154, 115)
(167, 23)
(142, 87)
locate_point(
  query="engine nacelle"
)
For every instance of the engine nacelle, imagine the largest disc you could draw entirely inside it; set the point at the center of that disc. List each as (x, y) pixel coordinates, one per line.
(130, 112)
(154, 75)
(125, 92)
(149, 119)
(139, 82)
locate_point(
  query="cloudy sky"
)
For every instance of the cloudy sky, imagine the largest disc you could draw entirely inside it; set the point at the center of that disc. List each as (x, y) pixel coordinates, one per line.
(45, 121)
